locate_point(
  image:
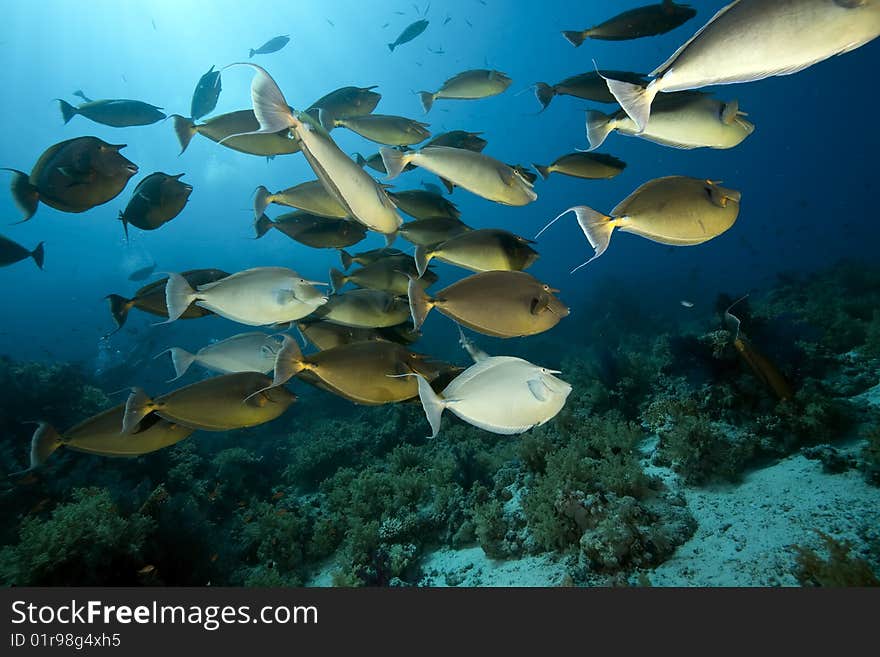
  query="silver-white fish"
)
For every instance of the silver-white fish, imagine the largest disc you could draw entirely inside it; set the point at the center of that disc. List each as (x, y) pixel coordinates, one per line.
(245, 352)
(501, 394)
(475, 172)
(358, 193)
(751, 40)
(257, 297)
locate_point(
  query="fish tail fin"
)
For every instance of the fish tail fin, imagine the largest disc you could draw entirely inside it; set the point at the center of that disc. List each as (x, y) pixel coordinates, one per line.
(178, 296)
(185, 129)
(597, 228)
(119, 307)
(346, 258)
(391, 46)
(122, 218)
(262, 199)
(37, 254)
(390, 238)
(24, 193)
(68, 111)
(419, 302)
(599, 125)
(544, 171)
(181, 359)
(327, 119)
(43, 443)
(427, 99)
(544, 93)
(575, 37)
(288, 361)
(433, 404)
(337, 280)
(423, 257)
(137, 407)
(634, 99)
(262, 225)
(359, 159)
(394, 161)
(447, 184)
(252, 53)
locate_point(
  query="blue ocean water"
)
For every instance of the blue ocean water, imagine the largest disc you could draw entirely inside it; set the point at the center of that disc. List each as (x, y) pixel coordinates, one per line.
(807, 174)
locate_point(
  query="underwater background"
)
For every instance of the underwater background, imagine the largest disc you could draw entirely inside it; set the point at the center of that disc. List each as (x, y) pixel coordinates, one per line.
(663, 411)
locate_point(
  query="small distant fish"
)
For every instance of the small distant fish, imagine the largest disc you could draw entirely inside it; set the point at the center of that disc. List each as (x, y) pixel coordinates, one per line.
(439, 50)
(385, 25)
(332, 24)
(154, 24)
(117, 112)
(146, 570)
(409, 33)
(468, 22)
(687, 304)
(447, 19)
(142, 273)
(400, 13)
(272, 45)
(79, 93)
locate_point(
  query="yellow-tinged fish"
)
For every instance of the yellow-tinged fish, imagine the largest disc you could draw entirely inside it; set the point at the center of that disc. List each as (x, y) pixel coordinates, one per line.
(102, 435)
(650, 20)
(12, 252)
(372, 372)
(151, 298)
(345, 101)
(73, 176)
(475, 172)
(592, 166)
(422, 204)
(232, 130)
(385, 129)
(326, 335)
(357, 192)
(486, 249)
(468, 85)
(364, 308)
(505, 304)
(314, 231)
(367, 257)
(389, 274)
(684, 119)
(674, 210)
(751, 40)
(156, 200)
(222, 403)
(310, 196)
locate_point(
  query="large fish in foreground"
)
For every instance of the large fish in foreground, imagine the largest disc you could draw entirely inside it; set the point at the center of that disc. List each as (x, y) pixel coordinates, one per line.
(674, 210)
(116, 113)
(257, 297)
(475, 172)
(73, 176)
(751, 40)
(501, 394)
(357, 192)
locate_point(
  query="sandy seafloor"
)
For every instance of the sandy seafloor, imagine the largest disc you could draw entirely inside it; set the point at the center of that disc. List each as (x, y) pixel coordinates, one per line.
(745, 531)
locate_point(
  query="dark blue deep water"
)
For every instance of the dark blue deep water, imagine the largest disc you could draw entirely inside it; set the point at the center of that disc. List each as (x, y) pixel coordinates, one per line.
(808, 177)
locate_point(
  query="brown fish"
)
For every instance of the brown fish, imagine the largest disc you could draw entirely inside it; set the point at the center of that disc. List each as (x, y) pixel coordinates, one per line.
(367, 257)
(102, 435)
(486, 249)
(156, 200)
(314, 231)
(73, 176)
(371, 372)
(232, 130)
(390, 274)
(221, 403)
(364, 308)
(504, 304)
(425, 232)
(151, 298)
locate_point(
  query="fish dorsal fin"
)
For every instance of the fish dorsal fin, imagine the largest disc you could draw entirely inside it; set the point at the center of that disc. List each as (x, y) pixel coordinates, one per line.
(270, 108)
(660, 70)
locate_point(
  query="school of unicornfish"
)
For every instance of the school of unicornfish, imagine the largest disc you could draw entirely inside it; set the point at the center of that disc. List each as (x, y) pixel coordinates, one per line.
(363, 335)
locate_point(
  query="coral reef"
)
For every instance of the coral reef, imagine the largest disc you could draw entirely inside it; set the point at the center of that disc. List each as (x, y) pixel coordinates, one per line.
(839, 568)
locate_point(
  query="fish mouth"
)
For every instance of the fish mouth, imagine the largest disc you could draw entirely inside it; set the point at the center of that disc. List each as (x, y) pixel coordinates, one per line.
(131, 168)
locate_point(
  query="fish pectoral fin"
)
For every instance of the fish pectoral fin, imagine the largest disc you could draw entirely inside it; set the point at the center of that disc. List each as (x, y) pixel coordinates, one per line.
(539, 389)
